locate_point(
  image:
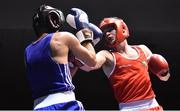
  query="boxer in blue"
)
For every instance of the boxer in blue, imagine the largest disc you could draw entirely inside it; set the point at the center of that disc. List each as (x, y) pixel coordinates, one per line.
(47, 59)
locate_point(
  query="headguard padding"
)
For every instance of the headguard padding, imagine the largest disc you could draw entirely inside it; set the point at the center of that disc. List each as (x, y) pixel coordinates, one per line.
(120, 26)
(47, 19)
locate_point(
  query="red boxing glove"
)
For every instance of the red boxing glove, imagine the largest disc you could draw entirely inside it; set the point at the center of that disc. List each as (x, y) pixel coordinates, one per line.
(159, 66)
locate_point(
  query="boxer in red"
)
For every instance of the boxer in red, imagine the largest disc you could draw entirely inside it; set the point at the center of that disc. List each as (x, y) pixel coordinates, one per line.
(127, 67)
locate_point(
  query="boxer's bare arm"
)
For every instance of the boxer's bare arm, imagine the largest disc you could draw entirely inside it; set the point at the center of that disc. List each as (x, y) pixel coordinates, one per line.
(63, 42)
(103, 59)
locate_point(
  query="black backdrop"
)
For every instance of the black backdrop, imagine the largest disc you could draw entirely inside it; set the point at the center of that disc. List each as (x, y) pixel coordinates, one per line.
(154, 23)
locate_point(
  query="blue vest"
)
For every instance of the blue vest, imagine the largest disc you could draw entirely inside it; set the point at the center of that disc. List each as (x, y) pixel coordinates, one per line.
(45, 75)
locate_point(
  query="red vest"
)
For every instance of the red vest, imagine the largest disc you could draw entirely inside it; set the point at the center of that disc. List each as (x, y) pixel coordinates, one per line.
(130, 79)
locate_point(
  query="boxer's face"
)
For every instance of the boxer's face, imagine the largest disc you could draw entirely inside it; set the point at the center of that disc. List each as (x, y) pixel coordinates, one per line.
(110, 35)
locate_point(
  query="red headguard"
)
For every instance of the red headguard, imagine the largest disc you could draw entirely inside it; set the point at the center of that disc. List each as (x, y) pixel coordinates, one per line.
(120, 26)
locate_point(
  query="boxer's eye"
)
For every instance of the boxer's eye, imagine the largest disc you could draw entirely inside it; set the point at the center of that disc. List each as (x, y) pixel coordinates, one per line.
(109, 29)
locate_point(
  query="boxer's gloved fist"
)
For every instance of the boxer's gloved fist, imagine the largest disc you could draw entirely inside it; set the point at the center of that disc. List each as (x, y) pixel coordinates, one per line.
(159, 66)
(97, 33)
(78, 19)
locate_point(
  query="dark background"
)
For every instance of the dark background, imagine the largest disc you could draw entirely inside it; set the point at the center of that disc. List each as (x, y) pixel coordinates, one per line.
(155, 23)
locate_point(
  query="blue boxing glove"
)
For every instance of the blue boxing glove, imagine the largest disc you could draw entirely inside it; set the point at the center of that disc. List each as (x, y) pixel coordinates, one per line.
(97, 33)
(78, 19)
